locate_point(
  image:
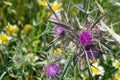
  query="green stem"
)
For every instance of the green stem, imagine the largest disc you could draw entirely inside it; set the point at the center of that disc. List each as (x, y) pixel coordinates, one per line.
(68, 8)
(67, 67)
(2, 75)
(40, 27)
(2, 61)
(76, 72)
(87, 6)
(89, 67)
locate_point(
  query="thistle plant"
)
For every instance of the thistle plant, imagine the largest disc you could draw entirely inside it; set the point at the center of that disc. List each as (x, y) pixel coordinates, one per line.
(59, 40)
(87, 46)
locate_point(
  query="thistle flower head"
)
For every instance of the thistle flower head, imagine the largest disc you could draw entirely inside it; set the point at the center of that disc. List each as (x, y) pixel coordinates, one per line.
(92, 52)
(59, 30)
(52, 70)
(85, 37)
(17, 58)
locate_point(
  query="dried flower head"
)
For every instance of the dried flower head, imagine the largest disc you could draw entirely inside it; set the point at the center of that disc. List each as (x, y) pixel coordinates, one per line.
(52, 70)
(27, 28)
(59, 30)
(85, 37)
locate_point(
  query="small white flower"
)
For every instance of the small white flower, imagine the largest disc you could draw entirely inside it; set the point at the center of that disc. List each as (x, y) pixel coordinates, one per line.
(97, 70)
(117, 4)
(57, 9)
(63, 61)
(116, 64)
(56, 6)
(117, 76)
(4, 39)
(12, 29)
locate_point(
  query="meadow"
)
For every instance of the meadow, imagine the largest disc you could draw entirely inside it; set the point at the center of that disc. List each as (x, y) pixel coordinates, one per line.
(59, 40)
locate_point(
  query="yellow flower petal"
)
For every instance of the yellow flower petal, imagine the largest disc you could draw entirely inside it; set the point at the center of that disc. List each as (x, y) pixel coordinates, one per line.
(12, 30)
(56, 7)
(117, 76)
(4, 38)
(94, 61)
(95, 70)
(57, 51)
(42, 3)
(117, 63)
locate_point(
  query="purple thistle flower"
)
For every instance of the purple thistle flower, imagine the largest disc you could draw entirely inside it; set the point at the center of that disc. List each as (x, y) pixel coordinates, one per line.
(92, 52)
(85, 37)
(52, 70)
(59, 30)
(17, 58)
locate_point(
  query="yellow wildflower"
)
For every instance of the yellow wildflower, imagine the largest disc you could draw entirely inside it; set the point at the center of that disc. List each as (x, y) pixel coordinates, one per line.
(116, 64)
(13, 30)
(57, 51)
(96, 69)
(4, 39)
(42, 3)
(27, 28)
(117, 76)
(56, 6)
